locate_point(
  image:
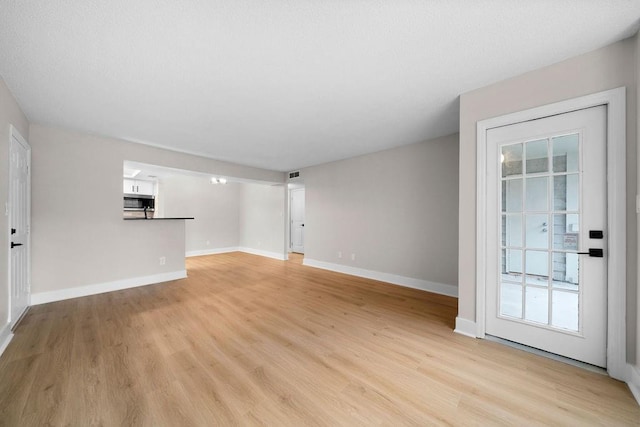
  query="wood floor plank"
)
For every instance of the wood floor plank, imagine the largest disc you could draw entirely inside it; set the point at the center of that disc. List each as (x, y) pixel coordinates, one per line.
(247, 340)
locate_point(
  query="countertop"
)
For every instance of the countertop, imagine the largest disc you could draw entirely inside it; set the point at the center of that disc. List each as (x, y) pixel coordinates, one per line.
(154, 219)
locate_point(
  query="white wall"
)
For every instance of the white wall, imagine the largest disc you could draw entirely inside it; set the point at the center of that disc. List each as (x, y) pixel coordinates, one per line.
(607, 68)
(10, 114)
(241, 216)
(214, 207)
(79, 237)
(396, 210)
(262, 219)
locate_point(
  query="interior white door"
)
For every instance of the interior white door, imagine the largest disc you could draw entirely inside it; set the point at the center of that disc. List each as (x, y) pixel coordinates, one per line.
(546, 193)
(19, 224)
(297, 220)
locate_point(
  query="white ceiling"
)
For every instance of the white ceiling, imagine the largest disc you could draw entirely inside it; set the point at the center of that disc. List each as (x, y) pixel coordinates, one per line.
(282, 84)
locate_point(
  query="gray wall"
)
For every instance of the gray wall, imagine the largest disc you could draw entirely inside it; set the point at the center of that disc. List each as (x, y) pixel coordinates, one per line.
(214, 207)
(262, 218)
(245, 215)
(397, 210)
(607, 68)
(10, 113)
(78, 234)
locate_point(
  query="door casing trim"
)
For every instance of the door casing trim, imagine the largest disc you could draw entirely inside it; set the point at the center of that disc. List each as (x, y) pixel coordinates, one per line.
(615, 100)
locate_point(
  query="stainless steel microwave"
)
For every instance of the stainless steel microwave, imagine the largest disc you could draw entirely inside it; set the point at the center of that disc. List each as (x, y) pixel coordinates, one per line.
(138, 202)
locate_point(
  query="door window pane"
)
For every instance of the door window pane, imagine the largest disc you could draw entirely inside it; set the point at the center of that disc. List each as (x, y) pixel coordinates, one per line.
(565, 192)
(512, 230)
(560, 193)
(511, 157)
(537, 268)
(512, 195)
(511, 300)
(537, 156)
(512, 265)
(537, 305)
(565, 153)
(566, 269)
(537, 231)
(564, 309)
(566, 232)
(537, 194)
(573, 189)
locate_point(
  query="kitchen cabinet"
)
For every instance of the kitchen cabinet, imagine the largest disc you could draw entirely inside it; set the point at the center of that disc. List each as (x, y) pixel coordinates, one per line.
(134, 186)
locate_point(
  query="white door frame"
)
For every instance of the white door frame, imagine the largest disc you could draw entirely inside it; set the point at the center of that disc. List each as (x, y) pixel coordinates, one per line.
(13, 133)
(616, 212)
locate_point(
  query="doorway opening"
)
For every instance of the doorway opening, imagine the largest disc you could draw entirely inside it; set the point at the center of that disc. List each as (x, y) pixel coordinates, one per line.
(296, 218)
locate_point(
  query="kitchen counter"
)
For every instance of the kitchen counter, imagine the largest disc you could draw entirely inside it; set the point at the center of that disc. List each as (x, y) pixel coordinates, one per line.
(154, 219)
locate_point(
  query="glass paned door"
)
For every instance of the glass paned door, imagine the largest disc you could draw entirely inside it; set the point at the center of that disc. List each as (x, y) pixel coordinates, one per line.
(545, 191)
(540, 223)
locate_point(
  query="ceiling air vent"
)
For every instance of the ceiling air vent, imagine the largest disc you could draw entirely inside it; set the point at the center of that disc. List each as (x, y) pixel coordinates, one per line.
(294, 174)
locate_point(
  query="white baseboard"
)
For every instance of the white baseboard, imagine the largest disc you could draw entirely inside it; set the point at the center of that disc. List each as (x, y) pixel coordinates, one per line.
(212, 251)
(100, 288)
(408, 282)
(5, 337)
(268, 254)
(82, 291)
(465, 327)
(633, 381)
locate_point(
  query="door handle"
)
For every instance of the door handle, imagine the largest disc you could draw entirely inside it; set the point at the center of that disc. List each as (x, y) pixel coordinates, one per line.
(13, 245)
(593, 252)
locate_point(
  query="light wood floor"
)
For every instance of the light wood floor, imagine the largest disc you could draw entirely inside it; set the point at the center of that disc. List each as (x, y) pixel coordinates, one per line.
(247, 340)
